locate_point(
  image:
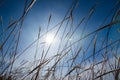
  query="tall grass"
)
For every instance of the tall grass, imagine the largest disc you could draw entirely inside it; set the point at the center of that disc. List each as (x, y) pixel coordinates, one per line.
(96, 59)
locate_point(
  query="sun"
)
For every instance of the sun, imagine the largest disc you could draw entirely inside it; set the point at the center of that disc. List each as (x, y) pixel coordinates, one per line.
(49, 38)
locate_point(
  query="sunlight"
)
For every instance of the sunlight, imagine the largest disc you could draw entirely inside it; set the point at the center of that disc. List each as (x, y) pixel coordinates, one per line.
(49, 38)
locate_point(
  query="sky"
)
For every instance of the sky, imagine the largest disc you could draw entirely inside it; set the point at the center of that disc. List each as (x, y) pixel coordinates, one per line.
(38, 17)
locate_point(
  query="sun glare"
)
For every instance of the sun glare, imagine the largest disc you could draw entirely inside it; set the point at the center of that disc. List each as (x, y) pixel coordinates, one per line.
(49, 38)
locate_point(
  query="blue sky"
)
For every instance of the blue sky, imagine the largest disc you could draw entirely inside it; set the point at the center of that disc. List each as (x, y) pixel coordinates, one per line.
(39, 15)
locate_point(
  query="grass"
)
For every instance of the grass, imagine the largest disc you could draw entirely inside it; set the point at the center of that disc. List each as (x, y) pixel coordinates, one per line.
(71, 61)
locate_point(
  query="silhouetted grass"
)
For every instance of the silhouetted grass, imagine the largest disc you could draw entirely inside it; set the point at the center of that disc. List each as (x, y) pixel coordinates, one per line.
(69, 62)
